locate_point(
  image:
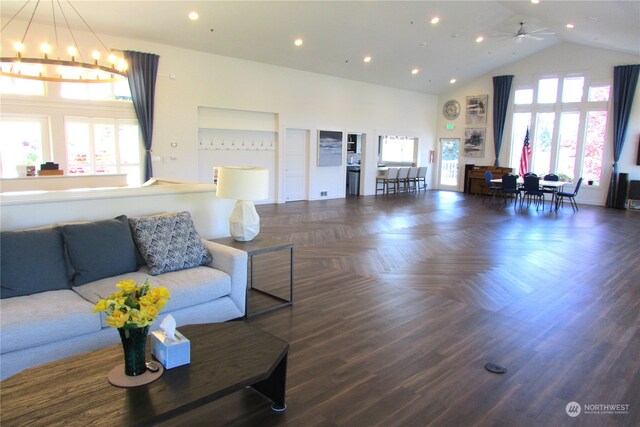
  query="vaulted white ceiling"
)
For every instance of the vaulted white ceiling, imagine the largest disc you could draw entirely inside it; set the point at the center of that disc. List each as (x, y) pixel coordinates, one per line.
(337, 36)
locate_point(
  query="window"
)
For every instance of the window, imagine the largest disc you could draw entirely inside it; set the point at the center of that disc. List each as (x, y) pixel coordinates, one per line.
(96, 91)
(572, 89)
(567, 134)
(11, 85)
(568, 145)
(23, 141)
(103, 146)
(521, 122)
(541, 147)
(547, 91)
(80, 145)
(599, 93)
(397, 149)
(594, 146)
(524, 96)
(110, 91)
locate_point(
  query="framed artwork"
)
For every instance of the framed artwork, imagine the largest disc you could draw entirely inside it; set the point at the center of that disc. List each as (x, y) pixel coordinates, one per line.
(474, 142)
(477, 110)
(329, 148)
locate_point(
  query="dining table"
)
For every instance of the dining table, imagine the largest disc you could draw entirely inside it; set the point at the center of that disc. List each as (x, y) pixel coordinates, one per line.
(555, 185)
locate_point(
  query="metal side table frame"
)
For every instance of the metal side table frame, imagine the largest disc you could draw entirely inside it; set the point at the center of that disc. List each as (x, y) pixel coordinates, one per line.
(255, 247)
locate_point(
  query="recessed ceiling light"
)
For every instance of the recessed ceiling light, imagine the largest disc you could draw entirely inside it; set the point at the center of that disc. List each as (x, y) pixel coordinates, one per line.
(479, 39)
(415, 71)
(298, 42)
(194, 16)
(535, 1)
(367, 59)
(452, 81)
(570, 26)
(435, 20)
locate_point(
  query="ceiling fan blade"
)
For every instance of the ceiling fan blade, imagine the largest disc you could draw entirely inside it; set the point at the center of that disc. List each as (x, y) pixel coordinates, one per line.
(529, 36)
(537, 30)
(502, 34)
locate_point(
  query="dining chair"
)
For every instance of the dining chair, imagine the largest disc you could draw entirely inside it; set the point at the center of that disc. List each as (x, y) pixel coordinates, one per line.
(560, 195)
(389, 177)
(422, 177)
(412, 179)
(403, 175)
(492, 188)
(510, 188)
(530, 174)
(532, 190)
(550, 190)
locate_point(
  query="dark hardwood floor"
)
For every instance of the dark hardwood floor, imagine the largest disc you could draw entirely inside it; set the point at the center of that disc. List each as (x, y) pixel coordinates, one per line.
(401, 300)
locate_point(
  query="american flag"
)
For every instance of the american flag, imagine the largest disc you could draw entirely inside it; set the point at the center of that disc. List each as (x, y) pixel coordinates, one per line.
(524, 157)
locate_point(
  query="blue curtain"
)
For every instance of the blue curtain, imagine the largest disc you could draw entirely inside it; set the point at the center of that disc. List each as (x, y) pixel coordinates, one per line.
(142, 73)
(625, 80)
(501, 92)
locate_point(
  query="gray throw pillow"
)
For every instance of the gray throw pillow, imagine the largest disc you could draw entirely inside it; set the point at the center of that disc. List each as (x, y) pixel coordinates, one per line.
(100, 249)
(32, 261)
(169, 242)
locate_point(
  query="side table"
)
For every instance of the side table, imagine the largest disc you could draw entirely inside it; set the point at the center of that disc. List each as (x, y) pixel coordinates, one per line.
(258, 246)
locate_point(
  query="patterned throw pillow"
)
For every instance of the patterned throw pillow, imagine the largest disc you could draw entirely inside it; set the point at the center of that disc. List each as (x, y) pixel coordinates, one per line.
(169, 242)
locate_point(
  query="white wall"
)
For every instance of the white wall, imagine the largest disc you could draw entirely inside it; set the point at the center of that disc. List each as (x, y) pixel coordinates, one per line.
(301, 100)
(596, 64)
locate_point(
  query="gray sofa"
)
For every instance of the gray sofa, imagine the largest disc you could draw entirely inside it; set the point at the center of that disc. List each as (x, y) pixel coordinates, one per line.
(52, 277)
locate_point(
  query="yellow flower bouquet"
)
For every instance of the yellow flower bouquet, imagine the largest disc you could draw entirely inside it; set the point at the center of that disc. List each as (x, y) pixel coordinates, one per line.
(132, 310)
(133, 306)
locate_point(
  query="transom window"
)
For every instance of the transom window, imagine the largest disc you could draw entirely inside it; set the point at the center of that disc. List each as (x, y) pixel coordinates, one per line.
(567, 131)
(109, 91)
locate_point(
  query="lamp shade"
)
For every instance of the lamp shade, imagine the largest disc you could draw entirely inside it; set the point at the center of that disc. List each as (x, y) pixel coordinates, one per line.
(243, 183)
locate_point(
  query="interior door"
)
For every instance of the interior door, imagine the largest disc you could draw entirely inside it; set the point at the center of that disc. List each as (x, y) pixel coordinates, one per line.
(295, 164)
(449, 159)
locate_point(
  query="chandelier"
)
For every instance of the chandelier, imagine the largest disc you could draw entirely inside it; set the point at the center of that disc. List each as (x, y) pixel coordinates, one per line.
(73, 69)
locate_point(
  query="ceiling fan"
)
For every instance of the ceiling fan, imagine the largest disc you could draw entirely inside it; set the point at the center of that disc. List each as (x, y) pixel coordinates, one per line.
(524, 34)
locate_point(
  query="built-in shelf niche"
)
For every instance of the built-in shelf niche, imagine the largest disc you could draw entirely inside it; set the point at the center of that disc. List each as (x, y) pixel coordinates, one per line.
(228, 137)
(227, 129)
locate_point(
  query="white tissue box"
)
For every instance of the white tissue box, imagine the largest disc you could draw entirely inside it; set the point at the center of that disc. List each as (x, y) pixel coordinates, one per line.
(170, 353)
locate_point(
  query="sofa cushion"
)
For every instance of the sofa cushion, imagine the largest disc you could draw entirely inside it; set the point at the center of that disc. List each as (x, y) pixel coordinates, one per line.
(32, 261)
(100, 249)
(45, 317)
(187, 287)
(169, 242)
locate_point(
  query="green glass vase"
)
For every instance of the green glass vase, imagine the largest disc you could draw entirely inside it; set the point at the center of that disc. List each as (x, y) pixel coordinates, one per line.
(134, 343)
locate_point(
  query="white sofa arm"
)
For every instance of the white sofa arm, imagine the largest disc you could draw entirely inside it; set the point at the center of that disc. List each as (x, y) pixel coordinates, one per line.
(233, 262)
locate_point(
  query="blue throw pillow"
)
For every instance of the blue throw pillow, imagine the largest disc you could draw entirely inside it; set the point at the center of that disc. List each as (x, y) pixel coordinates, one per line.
(32, 261)
(100, 249)
(169, 242)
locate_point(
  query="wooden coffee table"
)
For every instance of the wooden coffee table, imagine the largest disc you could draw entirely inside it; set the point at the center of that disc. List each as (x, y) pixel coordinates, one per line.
(225, 357)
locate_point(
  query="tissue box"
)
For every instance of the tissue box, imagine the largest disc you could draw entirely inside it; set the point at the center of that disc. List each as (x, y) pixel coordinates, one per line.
(170, 353)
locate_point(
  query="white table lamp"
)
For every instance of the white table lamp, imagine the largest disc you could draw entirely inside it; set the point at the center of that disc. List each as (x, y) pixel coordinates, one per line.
(243, 184)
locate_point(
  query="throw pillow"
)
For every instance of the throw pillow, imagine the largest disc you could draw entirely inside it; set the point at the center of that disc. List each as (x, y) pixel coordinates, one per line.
(32, 261)
(169, 242)
(100, 249)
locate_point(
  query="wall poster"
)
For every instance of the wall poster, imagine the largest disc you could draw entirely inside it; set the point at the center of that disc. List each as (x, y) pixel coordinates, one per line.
(477, 110)
(329, 148)
(474, 142)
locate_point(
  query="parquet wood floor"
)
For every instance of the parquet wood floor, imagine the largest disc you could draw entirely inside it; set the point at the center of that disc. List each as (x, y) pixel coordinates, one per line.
(401, 300)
